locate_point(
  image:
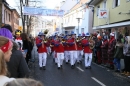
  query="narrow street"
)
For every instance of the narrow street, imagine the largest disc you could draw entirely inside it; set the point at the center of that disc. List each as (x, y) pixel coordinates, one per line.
(97, 76)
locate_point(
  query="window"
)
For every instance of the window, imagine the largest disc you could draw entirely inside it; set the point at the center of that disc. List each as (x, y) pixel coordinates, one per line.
(82, 30)
(77, 31)
(6, 15)
(97, 9)
(128, 0)
(116, 3)
(9, 17)
(104, 4)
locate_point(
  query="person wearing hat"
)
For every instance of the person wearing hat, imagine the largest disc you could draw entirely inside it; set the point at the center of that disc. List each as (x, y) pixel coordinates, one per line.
(18, 39)
(88, 52)
(111, 50)
(42, 51)
(79, 49)
(59, 51)
(73, 49)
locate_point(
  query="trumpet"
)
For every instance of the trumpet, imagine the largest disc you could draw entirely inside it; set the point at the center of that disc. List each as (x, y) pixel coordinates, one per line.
(78, 40)
(92, 43)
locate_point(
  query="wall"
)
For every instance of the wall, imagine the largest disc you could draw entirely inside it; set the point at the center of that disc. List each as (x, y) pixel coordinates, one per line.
(114, 15)
(68, 5)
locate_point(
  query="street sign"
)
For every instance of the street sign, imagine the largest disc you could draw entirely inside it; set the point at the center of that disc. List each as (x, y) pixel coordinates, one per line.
(103, 13)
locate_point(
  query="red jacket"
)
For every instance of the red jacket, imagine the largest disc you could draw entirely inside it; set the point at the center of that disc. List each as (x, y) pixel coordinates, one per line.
(79, 46)
(85, 43)
(59, 47)
(72, 44)
(41, 49)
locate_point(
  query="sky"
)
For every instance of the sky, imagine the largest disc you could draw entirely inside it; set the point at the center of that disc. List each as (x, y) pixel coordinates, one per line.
(50, 4)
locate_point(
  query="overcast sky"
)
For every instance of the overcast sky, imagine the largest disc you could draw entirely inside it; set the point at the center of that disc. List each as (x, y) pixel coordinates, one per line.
(45, 3)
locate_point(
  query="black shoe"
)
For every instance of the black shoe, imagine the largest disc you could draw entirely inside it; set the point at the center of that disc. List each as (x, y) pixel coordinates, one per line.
(89, 67)
(61, 66)
(118, 71)
(40, 68)
(58, 67)
(55, 63)
(72, 67)
(78, 63)
(86, 67)
(66, 62)
(53, 60)
(44, 68)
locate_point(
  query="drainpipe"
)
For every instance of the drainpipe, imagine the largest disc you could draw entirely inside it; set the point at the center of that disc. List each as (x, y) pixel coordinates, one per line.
(4, 15)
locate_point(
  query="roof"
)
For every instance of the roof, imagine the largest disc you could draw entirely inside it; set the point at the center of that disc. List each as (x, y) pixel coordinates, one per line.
(11, 8)
(79, 4)
(16, 12)
(94, 2)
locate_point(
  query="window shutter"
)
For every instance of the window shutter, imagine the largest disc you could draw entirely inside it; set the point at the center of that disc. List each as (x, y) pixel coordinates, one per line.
(113, 4)
(118, 2)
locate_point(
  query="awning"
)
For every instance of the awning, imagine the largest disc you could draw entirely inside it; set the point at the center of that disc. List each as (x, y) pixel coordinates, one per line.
(113, 25)
(69, 28)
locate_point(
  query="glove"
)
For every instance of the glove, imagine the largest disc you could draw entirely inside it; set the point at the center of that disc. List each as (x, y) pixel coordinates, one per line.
(56, 45)
(87, 44)
(71, 44)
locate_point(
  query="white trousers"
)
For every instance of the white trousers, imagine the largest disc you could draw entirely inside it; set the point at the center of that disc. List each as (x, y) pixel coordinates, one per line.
(48, 50)
(54, 56)
(67, 56)
(79, 55)
(60, 58)
(42, 59)
(73, 57)
(88, 59)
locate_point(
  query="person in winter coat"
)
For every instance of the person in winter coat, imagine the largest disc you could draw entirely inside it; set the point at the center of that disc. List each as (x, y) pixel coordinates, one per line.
(104, 49)
(27, 46)
(111, 50)
(98, 49)
(17, 65)
(126, 51)
(118, 55)
(5, 53)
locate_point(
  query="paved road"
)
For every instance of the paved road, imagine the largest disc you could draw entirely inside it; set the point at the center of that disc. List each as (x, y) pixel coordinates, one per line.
(97, 76)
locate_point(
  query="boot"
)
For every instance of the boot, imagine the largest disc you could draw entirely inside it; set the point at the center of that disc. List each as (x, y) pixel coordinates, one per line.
(127, 74)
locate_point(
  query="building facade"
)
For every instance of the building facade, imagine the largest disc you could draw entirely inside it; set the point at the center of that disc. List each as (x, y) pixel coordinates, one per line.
(116, 15)
(78, 19)
(9, 15)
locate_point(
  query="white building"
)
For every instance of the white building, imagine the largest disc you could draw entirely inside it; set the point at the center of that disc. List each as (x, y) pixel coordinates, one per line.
(66, 6)
(79, 11)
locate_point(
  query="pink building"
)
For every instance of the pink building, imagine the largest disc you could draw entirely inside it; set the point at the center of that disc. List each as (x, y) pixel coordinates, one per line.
(9, 15)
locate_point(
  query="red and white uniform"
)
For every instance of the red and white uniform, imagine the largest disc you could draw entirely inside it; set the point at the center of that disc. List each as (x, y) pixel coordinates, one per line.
(42, 51)
(72, 50)
(60, 53)
(79, 51)
(66, 52)
(88, 52)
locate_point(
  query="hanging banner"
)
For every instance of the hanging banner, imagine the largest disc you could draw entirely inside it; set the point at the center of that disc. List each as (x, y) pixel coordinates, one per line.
(42, 12)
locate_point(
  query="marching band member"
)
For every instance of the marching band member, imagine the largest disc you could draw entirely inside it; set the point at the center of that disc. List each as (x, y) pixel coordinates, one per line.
(79, 49)
(66, 48)
(87, 51)
(73, 49)
(42, 51)
(59, 52)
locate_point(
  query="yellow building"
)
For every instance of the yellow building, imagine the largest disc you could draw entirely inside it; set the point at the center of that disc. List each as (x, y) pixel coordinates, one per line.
(111, 14)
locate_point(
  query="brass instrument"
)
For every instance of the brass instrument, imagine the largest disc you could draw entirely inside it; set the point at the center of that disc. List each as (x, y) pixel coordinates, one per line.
(91, 42)
(78, 40)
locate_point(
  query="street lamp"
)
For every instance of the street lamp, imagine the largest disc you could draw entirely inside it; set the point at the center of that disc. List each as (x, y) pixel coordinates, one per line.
(78, 23)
